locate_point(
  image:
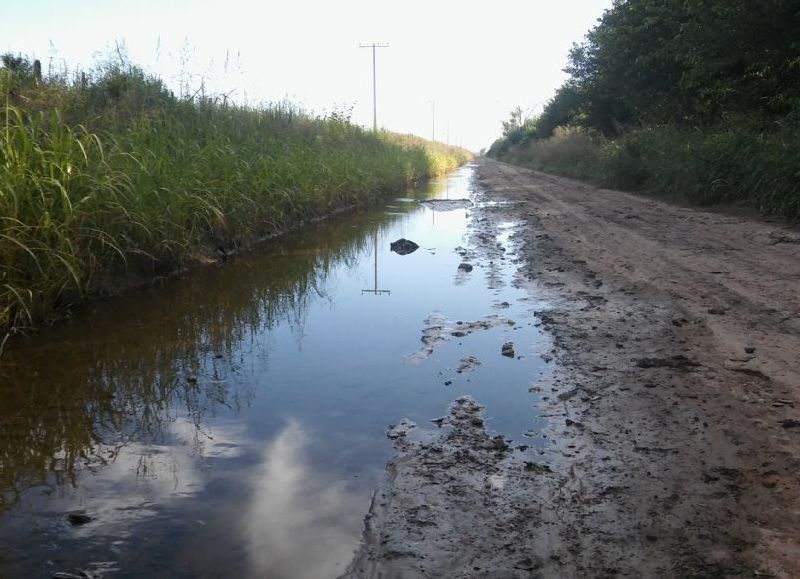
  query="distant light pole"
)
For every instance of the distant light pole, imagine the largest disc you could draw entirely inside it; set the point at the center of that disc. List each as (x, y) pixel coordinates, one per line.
(433, 120)
(373, 46)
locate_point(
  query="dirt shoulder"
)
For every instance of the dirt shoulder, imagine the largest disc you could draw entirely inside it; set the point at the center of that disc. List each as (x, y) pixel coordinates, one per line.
(674, 400)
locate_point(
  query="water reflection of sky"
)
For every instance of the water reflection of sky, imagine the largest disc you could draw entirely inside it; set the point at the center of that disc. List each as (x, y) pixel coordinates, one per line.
(299, 524)
(232, 423)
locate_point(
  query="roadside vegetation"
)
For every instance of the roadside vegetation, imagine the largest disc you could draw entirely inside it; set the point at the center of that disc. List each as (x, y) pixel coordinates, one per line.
(108, 175)
(694, 99)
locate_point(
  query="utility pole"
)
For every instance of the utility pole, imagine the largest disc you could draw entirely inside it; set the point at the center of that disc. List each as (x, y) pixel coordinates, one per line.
(375, 290)
(373, 46)
(433, 120)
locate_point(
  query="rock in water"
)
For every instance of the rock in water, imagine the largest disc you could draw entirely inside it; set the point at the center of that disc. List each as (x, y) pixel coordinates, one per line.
(465, 266)
(78, 518)
(403, 246)
(508, 349)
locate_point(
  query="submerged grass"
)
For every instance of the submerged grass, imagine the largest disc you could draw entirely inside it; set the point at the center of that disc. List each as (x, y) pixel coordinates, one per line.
(116, 174)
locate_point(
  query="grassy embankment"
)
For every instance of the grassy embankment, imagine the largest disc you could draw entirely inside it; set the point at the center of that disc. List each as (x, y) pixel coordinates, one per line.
(722, 166)
(114, 174)
(655, 103)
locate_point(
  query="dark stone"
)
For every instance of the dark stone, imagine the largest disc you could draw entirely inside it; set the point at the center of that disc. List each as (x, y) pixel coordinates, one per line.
(464, 267)
(78, 519)
(403, 246)
(508, 349)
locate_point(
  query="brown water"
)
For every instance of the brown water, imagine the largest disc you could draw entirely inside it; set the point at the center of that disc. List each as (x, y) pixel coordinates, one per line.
(231, 423)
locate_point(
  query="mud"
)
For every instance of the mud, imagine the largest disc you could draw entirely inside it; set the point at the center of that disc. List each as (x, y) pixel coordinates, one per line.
(439, 330)
(446, 204)
(673, 448)
(467, 364)
(443, 511)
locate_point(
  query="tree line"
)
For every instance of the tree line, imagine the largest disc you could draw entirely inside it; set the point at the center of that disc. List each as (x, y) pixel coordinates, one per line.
(695, 62)
(724, 69)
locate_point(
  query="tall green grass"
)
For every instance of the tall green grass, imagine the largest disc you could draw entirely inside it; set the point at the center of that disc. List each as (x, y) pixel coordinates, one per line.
(115, 174)
(731, 165)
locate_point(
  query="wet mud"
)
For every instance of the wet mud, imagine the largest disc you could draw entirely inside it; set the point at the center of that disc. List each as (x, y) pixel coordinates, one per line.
(446, 204)
(439, 330)
(448, 504)
(672, 445)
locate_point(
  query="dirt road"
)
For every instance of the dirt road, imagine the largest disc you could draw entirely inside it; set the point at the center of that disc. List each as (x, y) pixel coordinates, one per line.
(674, 400)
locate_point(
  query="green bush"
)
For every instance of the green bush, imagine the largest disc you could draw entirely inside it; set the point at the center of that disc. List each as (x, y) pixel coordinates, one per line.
(734, 165)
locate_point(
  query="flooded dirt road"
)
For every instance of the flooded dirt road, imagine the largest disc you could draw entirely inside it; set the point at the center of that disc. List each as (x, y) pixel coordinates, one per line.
(674, 405)
(565, 382)
(232, 423)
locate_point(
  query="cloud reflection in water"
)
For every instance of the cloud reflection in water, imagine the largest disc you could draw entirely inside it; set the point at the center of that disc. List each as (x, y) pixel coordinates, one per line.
(300, 525)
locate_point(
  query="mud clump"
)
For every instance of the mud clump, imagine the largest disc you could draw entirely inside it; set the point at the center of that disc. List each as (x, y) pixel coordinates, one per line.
(439, 330)
(400, 430)
(467, 364)
(403, 246)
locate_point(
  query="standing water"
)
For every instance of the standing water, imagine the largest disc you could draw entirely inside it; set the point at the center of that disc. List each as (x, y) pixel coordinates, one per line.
(231, 423)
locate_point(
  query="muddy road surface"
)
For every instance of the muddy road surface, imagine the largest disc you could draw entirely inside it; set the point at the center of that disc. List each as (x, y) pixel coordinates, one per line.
(673, 445)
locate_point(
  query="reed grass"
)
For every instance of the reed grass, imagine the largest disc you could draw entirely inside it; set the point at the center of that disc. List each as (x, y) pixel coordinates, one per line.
(116, 174)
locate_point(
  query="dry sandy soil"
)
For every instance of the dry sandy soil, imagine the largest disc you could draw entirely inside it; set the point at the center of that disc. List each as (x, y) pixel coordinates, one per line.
(674, 405)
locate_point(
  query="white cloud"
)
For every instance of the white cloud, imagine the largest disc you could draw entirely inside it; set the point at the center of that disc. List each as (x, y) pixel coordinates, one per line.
(300, 525)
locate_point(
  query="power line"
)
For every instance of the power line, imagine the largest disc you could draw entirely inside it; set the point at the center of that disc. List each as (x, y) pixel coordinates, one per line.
(373, 46)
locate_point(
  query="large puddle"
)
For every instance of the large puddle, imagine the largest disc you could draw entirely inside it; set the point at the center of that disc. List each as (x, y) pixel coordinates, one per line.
(232, 423)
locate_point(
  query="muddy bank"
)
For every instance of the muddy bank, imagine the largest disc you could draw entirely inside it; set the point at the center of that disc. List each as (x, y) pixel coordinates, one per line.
(448, 504)
(674, 443)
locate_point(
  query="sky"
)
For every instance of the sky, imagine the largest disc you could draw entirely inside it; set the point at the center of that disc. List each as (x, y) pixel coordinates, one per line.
(453, 70)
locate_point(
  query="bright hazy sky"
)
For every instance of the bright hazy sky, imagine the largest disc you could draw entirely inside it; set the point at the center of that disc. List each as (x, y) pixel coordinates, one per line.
(475, 61)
